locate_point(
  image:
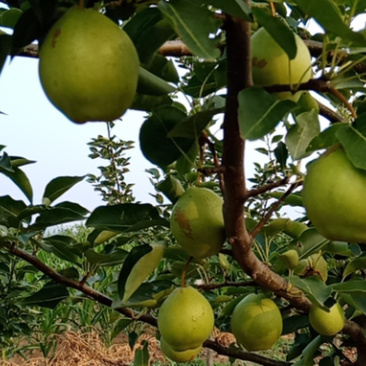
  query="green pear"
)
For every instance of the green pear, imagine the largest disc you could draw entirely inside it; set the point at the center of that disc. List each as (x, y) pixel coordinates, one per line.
(88, 66)
(178, 356)
(256, 322)
(197, 222)
(272, 66)
(327, 322)
(290, 258)
(185, 319)
(334, 197)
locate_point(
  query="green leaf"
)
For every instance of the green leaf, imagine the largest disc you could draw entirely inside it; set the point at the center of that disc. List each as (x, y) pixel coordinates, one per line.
(186, 17)
(62, 247)
(192, 126)
(142, 355)
(49, 296)
(236, 8)
(155, 142)
(260, 112)
(350, 287)
(58, 186)
(326, 138)
(143, 102)
(9, 18)
(354, 142)
(5, 163)
(140, 262)
(171, 187)
(120, 326)
(114, 258)
(150, 84)
(293, 323)
(20, 179)
(125, 217)
(9, 211)
(281, 154)
(314, 288)
(278, 31)
(302, 133)
(293, 199)
(355, 265)
(60, 214)
(309, 242)
(148, 31)
(308, 353)
(327, 14)
(5, 49)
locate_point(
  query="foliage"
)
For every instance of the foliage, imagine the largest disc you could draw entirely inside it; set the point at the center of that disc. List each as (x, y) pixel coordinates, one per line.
(200, 108)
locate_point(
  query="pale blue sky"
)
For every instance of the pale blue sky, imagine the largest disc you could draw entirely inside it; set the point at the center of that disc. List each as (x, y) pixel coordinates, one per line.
(34, 129)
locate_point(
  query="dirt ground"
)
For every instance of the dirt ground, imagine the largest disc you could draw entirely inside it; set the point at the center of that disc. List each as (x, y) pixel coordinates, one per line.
(87, 349)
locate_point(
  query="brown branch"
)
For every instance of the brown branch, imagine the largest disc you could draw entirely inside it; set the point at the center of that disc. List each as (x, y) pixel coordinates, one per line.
(90, 292)
(265, 188)
(242, 355)
(272, 209)
(214, 286)
(330, 114)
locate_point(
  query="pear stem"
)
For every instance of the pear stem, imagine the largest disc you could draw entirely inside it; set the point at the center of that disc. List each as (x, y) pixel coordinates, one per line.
(184, 273)
(82, 4)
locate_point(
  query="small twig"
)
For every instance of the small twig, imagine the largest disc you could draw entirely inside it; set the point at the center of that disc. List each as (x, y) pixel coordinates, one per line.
(328, 113)
(273, 8)
(272, 209)
(213, 286)
(344, 100)
(266, 188)
(214, 170)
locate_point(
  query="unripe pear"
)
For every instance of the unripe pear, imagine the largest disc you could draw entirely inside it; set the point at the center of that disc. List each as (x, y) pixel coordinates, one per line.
(185, 319)
(256, 322)
(197, 222)
(88, 66)
(179, 356)
(290, 258)
(327, 323)
(334, 197)
(272, 66)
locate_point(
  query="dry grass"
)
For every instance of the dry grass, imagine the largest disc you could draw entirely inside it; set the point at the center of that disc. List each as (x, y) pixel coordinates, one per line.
(87, 349)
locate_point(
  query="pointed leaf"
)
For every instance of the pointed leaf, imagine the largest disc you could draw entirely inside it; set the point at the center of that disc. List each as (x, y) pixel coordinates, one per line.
(155, 142)
(352, 286)
(302, 133)
(354, 142)
(355, 265)
(278, 31)
(236, 8)
(60, 214)
(49, 296)
(148, 31)
(328, 15)
(62, 246)
(260, 112)
(111, 259)
(5, 163)
(58, 186)
(21, 180)
(141, 261)
(9, 211)
(142, 357)
(192, 126)
(326, 138)
(186, 17)
(313, 287)
(5, 49)
(125, 217)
